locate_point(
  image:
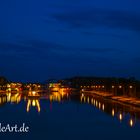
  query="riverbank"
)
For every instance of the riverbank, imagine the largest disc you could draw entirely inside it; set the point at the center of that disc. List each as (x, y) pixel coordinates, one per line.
(123, 99)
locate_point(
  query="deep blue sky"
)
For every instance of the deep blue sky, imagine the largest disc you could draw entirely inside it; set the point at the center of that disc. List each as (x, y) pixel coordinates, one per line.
(41, 39)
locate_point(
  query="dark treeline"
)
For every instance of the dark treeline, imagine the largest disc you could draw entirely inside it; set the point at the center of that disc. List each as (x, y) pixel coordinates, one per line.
(3, 80)
(90, 81)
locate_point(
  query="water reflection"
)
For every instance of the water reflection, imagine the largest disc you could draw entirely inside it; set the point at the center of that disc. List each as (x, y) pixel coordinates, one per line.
(58, 96)
(3, 100)
(55, 96)
(113, 112)
(122, 112)
(113, 108)
(120, 117)
(11, 98)
(33, 103)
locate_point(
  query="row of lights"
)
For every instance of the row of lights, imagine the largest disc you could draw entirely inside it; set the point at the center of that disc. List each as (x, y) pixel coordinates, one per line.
(93, 86)
(104, 86)
(92, 101)
(121, 87)
(102, 107)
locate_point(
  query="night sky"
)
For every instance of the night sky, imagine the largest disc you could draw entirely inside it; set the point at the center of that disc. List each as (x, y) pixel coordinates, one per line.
(43, 39)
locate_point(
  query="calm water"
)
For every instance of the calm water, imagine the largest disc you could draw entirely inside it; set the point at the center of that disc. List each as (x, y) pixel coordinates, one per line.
(70, 117)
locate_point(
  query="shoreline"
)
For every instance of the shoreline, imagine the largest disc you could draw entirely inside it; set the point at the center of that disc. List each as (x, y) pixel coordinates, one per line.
(122, 99)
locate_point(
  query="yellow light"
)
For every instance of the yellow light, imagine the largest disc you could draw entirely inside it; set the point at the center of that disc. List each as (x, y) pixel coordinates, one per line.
(96, 103)
(113, 112)
(103, 107)
(84, 99)
(28, 105)
(17, 89)
(103, 86)
(9, 97)
(38, 106)
(131, 123)
(120, 117)
(33, 92)
(9, 89)
(33, 103)
(88, 99)
(113, 86)
(92, 100)
(8, 85)
(131, 87)
(81, 98)
(50, 97)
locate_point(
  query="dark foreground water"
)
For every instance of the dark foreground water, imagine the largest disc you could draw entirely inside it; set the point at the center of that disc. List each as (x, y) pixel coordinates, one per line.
(84, 117)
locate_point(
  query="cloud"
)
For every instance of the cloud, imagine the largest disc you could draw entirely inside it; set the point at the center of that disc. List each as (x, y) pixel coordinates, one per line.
(101, 50)
(35, 47)
(114, 35)
(82, 58)
(30, 52)
(30, 46)
(99, 17)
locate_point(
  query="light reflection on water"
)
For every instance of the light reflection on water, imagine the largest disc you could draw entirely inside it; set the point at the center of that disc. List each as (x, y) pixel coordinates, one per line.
(112, 108)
